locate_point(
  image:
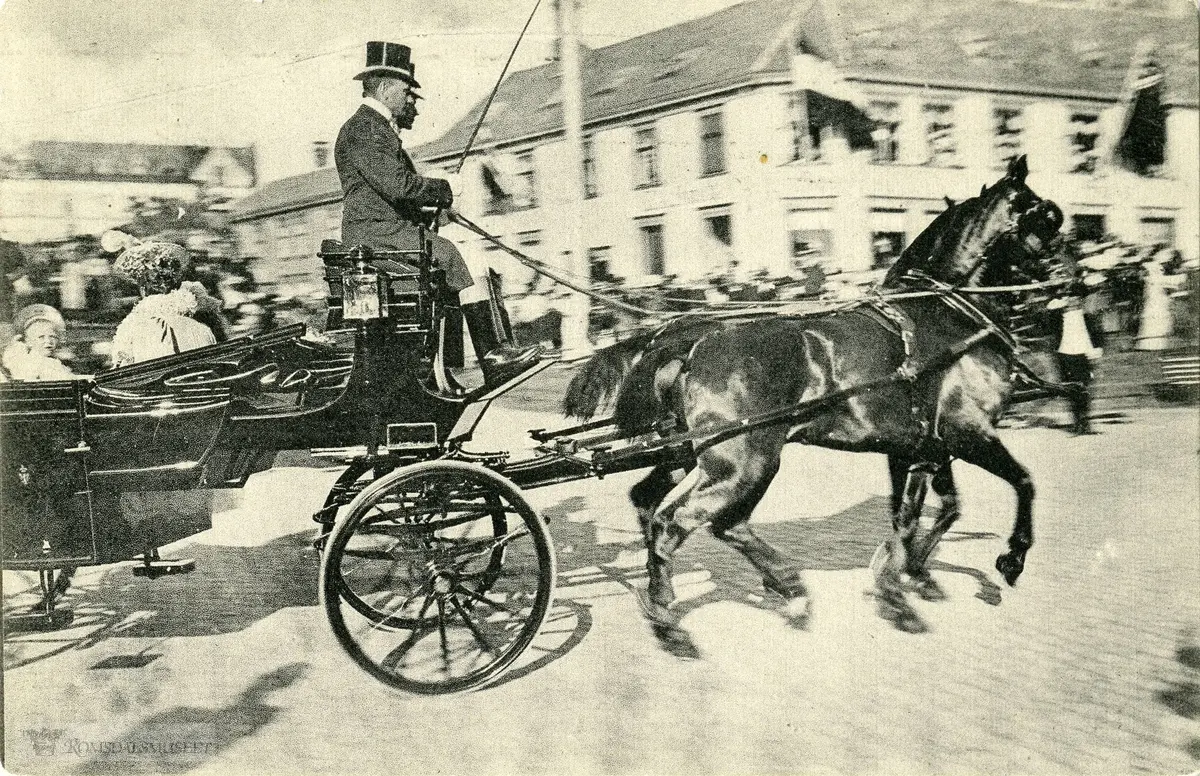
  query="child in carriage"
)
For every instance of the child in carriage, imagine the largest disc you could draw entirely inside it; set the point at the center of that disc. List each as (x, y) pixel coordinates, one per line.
(31, 355)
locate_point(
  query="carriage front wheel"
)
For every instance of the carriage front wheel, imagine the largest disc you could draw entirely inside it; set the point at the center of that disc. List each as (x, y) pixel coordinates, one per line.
(437, 577)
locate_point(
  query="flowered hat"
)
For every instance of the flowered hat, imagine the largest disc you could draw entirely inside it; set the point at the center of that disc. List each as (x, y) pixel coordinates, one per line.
(156, 267)
(26, 316)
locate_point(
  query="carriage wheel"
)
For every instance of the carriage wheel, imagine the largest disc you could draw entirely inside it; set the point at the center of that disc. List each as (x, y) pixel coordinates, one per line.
(437, 577)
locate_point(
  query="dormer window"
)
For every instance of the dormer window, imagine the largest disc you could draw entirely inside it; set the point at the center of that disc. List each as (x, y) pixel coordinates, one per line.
(976, 45)
(1090, 52)
(615, 80)
(677, 63)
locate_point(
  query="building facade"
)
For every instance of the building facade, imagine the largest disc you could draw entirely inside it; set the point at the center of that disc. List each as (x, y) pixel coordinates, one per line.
(56, 190)
(777, 134)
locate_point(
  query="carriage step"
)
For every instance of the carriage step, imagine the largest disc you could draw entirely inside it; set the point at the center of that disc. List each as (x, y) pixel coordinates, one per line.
(161, 567)
(38, 621)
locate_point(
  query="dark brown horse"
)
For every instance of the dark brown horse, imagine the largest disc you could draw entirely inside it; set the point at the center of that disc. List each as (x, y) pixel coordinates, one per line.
(920, 373)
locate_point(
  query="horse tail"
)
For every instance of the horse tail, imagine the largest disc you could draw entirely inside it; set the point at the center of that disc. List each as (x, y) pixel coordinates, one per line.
(602, 375)
(641, 400)
(647, 393)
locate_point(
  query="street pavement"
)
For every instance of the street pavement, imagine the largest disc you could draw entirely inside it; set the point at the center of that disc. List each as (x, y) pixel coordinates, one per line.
(1091, 664)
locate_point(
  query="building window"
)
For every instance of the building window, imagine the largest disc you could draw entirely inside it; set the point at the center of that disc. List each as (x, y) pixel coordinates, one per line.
(810, 246)
(939, 134)
(590, 188)
(885, 248)
(719, 227)
(712, 144)
(646, 148)
(1085, 141)
(654, 249)
(1088, 226)
(1006, 133)
(600, 264)
(886, 133)
(806, 136)
(1158, 230)
(526, 194)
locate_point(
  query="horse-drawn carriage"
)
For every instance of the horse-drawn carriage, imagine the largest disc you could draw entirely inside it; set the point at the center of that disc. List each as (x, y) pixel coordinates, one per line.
(436, 573)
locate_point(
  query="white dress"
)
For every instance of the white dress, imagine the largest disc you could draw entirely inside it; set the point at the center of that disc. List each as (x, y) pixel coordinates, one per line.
(22, 364)
(1155, 330)
(161, 325)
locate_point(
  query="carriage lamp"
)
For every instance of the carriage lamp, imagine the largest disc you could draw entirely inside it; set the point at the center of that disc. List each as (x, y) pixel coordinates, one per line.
(364, 291)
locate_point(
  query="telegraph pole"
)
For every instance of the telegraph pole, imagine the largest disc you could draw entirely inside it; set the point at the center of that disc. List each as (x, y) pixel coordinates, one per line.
(575, 322)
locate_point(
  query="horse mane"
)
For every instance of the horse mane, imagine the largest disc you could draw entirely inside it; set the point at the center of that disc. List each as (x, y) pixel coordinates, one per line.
(917, 254)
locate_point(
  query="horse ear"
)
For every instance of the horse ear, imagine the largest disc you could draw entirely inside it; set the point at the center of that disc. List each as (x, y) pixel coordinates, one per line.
(983, 190)
(1018, 168)
(949, 202)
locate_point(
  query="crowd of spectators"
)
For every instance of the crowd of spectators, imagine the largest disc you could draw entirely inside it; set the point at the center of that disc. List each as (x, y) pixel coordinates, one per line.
(1139, 296)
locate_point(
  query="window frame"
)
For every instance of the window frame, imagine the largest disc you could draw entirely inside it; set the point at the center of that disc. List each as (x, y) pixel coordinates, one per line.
(1092, 164)
(647, 226)
(527, 174)
(946, 110)
(1019, 110)
(591, 185)
(643, 152)
(878, 107)
(706, 136)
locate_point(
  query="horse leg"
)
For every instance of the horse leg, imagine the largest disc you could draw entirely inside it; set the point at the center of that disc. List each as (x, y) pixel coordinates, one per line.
(992, 456)
(649, 492)
(759, 459)
(943, 485)
(889, 590)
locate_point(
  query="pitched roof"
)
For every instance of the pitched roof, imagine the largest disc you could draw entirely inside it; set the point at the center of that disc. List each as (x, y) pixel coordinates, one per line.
(72, 160)
(317, 187)
(1010, 45)
(724, 49)
(1007, 45)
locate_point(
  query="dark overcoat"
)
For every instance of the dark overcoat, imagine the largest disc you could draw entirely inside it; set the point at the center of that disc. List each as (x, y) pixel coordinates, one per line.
(384, 194)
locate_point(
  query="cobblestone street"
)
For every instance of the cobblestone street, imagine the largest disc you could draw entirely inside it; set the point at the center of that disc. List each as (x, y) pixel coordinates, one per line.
(1089, 665)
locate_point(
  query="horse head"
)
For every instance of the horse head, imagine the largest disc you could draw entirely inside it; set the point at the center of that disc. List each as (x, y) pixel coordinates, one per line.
(991, 239)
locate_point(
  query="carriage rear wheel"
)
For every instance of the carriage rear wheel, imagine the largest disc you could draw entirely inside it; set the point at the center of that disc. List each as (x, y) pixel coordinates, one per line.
(437, 577)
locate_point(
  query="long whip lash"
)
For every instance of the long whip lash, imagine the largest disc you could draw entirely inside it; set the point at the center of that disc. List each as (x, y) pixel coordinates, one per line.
(471, 141)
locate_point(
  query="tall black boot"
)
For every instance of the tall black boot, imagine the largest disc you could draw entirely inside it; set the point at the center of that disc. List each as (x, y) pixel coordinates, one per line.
(499, 360)
(452, 343)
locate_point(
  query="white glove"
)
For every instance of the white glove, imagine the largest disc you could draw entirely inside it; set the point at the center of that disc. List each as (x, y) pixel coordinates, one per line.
(1095, 353)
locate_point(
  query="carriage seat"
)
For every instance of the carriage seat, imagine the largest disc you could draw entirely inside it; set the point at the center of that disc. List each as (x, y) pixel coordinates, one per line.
(271, 372)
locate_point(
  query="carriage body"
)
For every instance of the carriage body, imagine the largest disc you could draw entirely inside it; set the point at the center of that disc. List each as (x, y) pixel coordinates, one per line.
(211, 417)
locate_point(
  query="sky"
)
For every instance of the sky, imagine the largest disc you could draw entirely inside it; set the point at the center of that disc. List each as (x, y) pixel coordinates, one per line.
(276, 74)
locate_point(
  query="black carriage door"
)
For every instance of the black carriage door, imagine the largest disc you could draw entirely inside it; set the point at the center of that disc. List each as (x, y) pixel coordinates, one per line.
(45, 504)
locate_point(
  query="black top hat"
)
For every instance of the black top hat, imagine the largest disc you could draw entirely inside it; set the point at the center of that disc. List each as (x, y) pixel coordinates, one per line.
(394, 59)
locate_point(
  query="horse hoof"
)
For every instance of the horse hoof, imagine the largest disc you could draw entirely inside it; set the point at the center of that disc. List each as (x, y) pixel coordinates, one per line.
(676, 641)
(928, 588)
(896, 610)
(658, 614)
(1010, 567)
(797, 611)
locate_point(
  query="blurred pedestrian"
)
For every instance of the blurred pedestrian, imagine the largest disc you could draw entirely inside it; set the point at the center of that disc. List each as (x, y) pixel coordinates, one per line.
(1079, 347)
(1155, 326)
(30, 356)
